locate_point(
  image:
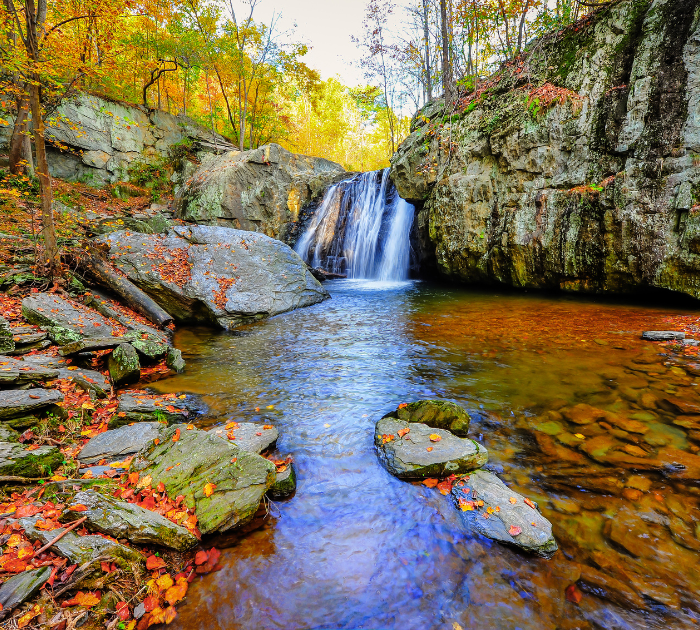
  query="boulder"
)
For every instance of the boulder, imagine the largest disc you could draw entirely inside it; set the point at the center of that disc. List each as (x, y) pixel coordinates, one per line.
(202, 274)
(21, 587)
(140, 407)
(7, 343)
(439, 414)
(262, 190)
(285, 483)
(175, 361)
(17, 403)
(66, 320)
(80, 549)
(118, 444)
(16, 372)
(490, 508)
(17, 460)
(411, 450)
(119, 519)
(251, 437)
(124, 366)
(222, 482)
(663, 335)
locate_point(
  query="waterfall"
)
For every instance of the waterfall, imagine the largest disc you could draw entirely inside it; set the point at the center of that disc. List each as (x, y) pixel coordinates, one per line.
(361, 229)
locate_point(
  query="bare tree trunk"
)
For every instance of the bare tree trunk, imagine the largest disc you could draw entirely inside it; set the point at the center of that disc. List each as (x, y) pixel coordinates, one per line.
(426, 38)
(521, 27)
(447, 81)
(20, 154)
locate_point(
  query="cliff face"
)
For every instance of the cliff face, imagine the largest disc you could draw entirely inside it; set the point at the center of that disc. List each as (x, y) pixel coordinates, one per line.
(577, 166)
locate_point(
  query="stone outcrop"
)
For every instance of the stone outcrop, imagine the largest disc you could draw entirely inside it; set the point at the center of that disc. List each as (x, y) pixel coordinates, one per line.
(206, 274)
(263, 190)
(99, 139)
(577, 166)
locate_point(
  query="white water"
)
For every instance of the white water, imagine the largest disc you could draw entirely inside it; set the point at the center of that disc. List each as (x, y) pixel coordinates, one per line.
(362, 229)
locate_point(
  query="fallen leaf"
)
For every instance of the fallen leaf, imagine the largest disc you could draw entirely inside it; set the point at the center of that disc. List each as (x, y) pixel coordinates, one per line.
(201, 557)
(154, 562)
(78, 507)
(176, 437)
(27, 617)
(176, 594)
(150, 603)
(209, 489)
(430, 448)
(530, 503)
(403, 432)
(434, 437)
(164, 582)
(122, 609)
(513, 500)
(430, 483)
(515, 530)
(403, 405)
(573, 594)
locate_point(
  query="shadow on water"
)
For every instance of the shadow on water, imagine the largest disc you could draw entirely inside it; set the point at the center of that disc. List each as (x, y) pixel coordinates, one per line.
(357, 548)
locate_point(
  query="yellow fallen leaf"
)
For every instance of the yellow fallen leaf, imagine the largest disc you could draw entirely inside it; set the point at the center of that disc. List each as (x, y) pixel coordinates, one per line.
(513, 500)
(164, 582)
(580, 436)
(270, 407)
(209, 489)
(434, 437)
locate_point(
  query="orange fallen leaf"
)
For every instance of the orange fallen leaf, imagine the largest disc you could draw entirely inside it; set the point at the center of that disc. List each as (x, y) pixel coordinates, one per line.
(403, 432)
(150, 603)
(201, 557)
(27, 617)
(430, 483)
(154, 562)
(530, 503)
(403, 405)
(573, 594)
(430, 448)
(176, 437)
(177, 593)
(209, 489)
(78, 507)
(164, 582)
(513, 500)
(434, 437)
(190, 427)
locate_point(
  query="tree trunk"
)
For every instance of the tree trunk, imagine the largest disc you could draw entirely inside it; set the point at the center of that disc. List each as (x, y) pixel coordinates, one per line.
(426, 38)
(447, 82)
(20, 155)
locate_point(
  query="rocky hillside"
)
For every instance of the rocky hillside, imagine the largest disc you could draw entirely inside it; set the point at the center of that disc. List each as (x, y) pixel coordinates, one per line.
(577, 166)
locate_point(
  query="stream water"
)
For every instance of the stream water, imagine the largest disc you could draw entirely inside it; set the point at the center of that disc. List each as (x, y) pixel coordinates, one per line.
(357, 548)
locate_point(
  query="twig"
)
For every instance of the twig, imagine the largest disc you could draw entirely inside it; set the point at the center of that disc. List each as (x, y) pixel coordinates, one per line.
(61, 535)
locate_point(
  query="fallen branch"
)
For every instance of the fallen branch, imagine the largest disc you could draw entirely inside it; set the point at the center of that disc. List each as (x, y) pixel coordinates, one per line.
(80, 521)
(83, 571)
(11, 478)
(101, 271)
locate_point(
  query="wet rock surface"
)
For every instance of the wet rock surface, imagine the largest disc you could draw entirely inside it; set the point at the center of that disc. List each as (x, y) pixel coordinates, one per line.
(216, 275)
(142, 407)
(119, 519)
(411, 450)
(285, 483)
(250, 436)
(439, 414)
(22, 587)
(118, 444)
(237, 479)
(17, 403)
(663, 335)
(490, 508)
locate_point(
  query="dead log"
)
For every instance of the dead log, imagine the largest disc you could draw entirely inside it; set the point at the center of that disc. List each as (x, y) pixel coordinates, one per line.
(103, 273)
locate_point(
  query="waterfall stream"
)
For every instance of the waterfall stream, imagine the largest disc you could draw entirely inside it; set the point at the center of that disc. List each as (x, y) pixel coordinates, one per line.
(361, 229)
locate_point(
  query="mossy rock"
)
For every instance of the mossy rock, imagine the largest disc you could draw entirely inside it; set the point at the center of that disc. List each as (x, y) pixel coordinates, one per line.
(438, 414)
(16, 460)
(124, 365)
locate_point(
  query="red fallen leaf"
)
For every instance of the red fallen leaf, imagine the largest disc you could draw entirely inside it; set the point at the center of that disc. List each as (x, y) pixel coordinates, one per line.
(14, 566)
(105, 567)
(79, 507)
(83, 599)
(445, 487)
(148, 503)
(122, 609)
(530, 503)
(160, 487)
(150, 603)
(430, 483)
(515, 530)
(127, 494)
(573, 594)
(201, 557)
(34, 396)
(154, 562)
(176, 437)
(403, 432)
(27, 510)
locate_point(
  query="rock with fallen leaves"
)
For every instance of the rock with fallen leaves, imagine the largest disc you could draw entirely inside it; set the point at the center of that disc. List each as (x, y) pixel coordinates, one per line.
(439, 414)
(31, 462)
(81, 549)
(17, 403)
(222, 482)
(206, 274)
(21, 587)
(249, 436)
(120, 519)
(15, 372)
(142, 407)
(118, 444)
(490, 508)
(88, 380)
(412, 450)
(285, 482)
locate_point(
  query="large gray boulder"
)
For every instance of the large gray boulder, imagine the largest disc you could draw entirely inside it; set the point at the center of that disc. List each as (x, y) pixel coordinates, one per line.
(119, 519)
(489, 507)
(214, 274)
(22, 587)
(222, 482)
(262, 190)
(439, 414)
(411, 450)
(118, 444)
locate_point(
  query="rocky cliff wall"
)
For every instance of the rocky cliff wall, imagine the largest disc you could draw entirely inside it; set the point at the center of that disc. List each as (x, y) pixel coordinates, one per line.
(575, 167)
(95, 140)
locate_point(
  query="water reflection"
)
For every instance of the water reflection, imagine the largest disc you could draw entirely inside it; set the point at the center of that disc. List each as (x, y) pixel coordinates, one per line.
(356, 548)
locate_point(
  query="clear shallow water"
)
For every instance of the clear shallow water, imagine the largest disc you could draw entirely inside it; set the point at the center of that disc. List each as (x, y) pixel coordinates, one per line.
(357, 548)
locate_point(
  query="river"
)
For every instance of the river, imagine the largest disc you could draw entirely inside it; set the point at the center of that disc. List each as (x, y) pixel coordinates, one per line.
(357, 548)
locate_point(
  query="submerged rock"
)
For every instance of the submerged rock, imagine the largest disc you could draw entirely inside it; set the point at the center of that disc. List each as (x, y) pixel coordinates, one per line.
(224, 483)
(126, 520)
(504, 515)
(174, 360)
(124, 366)
(21, 587)
(261, 190)
(118, 444)
(216, 275)
(16, 403)
(439, 414)
(663, 335)
(411, 450)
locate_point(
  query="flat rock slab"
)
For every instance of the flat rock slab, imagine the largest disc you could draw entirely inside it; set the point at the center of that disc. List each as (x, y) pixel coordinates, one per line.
(17, 372)
(505, 515)
(205, 273)
(118, 444)
(251, 437)
(439, 414)
(45, 361)
(22, 587)
(88, 380)
(16, 403)
(134, 407)
(80, 549)
(65, 320)
(663, 335)
(125, 520)
(238, 479)
(16, 459)
(414, 455)
(90, 344)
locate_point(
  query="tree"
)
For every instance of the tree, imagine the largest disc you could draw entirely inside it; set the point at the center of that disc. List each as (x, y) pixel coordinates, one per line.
(447, 77)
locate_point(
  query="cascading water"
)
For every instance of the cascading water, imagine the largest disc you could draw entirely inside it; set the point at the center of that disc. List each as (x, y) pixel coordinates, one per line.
(361, 229)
